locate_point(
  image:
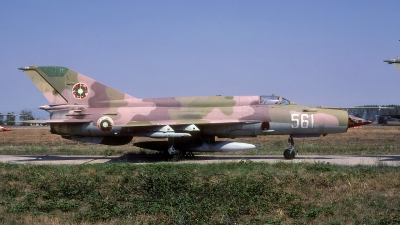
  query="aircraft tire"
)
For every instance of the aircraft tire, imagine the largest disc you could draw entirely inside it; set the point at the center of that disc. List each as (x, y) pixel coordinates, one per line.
(287, 154)
(177, 156)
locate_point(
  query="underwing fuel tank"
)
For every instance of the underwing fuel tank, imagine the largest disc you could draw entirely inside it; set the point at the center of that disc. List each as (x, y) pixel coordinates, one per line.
(217, 146)
(222, 146)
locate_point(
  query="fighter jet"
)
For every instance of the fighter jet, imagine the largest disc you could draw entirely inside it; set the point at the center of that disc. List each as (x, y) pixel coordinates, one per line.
(395, 62)
(83, 109)
(3, 128)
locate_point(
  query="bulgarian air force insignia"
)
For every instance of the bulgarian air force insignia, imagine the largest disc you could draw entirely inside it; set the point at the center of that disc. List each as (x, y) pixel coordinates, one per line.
(80, 91)
(105, 123)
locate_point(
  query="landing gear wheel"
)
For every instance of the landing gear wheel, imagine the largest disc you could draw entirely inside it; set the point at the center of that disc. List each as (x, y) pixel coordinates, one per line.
(289, 154)
(172, 153)
(176, 156)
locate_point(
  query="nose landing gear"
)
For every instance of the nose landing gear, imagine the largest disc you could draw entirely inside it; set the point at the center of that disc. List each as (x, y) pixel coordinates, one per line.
(290, 153)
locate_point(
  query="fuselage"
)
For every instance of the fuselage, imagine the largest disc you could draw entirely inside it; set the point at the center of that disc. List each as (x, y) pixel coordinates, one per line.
(222, 116)
(84, 109)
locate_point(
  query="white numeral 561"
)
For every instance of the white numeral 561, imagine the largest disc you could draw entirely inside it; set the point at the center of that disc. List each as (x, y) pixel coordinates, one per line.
(302, 120)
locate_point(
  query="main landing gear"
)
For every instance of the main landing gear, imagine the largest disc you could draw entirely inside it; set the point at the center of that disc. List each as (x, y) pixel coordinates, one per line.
(290, 153)
(174, 155)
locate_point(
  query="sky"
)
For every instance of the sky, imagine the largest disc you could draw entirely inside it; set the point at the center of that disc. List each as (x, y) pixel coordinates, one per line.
(311, 52)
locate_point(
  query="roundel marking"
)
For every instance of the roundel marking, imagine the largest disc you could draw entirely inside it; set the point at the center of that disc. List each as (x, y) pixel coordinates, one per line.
(105, 123)
(80, 90)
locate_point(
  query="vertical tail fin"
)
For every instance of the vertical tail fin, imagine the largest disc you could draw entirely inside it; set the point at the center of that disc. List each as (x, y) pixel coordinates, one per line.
(61, 85)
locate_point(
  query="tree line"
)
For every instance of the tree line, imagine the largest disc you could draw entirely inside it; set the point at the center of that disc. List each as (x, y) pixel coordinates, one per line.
(10, 117)
(374, 114)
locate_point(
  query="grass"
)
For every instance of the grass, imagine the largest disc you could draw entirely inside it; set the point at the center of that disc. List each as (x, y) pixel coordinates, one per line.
(225, 193)
(220, 193)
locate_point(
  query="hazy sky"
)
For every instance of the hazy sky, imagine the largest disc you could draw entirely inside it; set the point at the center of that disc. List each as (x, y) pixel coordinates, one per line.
(311, 52)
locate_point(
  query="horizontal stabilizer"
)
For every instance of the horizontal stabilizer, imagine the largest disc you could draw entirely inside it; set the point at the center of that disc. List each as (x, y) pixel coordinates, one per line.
(69, 121)
(32, 121)
(55, 121)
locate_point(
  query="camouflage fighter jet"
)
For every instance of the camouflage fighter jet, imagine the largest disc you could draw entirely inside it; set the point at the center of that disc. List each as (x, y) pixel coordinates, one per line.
(395, 62)
(83, 109)
(3, 128)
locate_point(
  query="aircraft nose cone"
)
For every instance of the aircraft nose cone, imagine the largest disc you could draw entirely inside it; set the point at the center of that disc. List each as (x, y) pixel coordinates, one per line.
(357, 121)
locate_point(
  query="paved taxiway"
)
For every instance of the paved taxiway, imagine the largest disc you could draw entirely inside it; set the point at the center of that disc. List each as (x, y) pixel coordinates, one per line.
(391, 160)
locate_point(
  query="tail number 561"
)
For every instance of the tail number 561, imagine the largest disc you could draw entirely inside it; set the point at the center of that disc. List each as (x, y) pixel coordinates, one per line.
(302, 120)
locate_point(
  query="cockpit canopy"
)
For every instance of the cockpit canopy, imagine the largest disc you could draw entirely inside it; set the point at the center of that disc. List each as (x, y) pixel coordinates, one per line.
(273, 100)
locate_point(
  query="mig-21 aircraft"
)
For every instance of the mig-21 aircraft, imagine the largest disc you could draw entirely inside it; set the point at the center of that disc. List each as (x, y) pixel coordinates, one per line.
(395, 62)
(83, 109)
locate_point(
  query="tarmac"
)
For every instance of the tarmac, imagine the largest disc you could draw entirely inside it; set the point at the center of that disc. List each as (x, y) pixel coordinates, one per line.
(371, 160)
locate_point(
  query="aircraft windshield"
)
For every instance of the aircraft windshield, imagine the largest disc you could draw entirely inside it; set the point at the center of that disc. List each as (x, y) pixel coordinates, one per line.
(273, 100)
(284, 101)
